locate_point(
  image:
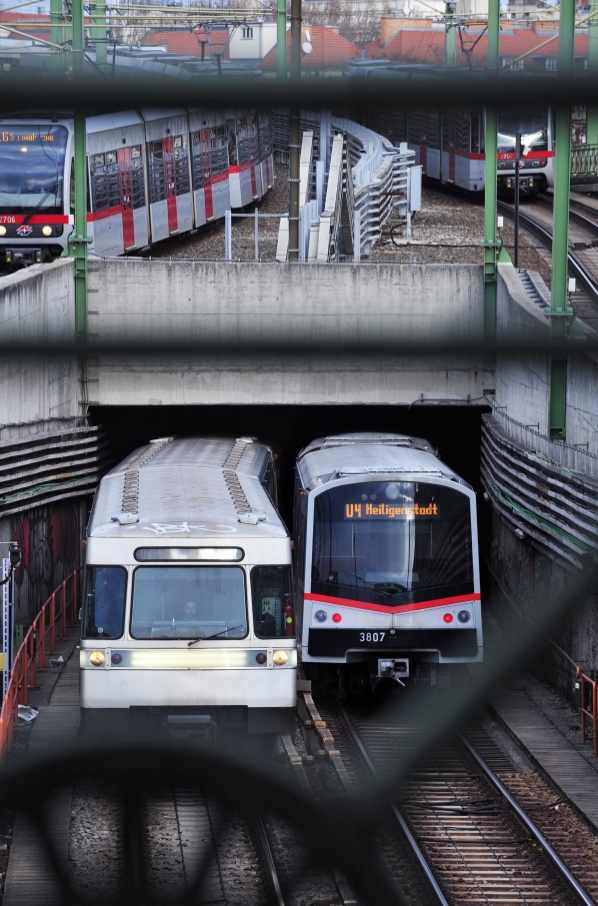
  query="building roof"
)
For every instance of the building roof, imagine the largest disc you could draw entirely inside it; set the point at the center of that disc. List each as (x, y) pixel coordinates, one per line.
(426, 45)
(329, 50)
(187, 42)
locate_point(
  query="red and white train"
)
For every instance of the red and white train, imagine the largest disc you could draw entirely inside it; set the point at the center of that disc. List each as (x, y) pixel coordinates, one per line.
(450, 145)
(152, 174)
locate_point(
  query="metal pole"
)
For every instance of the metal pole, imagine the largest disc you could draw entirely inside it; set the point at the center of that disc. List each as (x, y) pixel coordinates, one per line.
(256, 235)
(560, 229)
(281, 39)
(517, 163)
(56, 35)
(99, 32)
(592, 109)
(79, 238)
(450, 34)
(295, 134)
(491, 242)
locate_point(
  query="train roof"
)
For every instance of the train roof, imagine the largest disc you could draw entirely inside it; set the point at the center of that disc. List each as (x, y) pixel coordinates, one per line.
(186, 489)
(367, 454)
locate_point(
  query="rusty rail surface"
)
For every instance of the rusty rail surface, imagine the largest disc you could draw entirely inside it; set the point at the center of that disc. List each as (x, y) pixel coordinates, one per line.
(32, 654)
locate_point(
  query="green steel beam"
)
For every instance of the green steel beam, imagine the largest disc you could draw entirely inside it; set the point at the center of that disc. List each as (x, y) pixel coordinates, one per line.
(79, 238)
(56, 35)
(281, 39)
(559, 311)
(450, 34)
(99, 32)
(491, 242)
(592, 109)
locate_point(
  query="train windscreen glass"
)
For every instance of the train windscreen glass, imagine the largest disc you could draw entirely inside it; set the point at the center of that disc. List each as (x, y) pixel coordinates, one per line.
(392, 542)
(103, 614)
(189, 602)
(530, 124)
(31, 168)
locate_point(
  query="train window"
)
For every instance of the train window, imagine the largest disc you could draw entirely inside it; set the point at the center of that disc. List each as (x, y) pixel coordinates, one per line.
(157, 181)
(392, 542)
(135, 152)
(182, 602)
(272, 602)
(104, 181)
(103, 614)
(32, 165)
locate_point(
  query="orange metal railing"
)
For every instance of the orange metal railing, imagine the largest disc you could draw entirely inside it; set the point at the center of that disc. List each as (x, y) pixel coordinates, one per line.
(34, 650)
(586, 712)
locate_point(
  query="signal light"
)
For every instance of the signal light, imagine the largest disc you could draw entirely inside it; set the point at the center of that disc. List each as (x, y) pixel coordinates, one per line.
(261, 657)
(336, 618)
(116, 658)
(448, 618)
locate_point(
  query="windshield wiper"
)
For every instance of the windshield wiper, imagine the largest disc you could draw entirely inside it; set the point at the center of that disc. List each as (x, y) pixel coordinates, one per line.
(369, 584)
(206, 638)
(34, 210)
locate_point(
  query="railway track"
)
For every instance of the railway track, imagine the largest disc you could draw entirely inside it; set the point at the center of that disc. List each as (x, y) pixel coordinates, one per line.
(583, 250)
(466, 821)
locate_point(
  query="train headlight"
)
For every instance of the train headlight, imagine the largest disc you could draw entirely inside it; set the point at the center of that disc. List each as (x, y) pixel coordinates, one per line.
(280, 658)
(97, 658)
(321, 616)
(261, 657)
(47, 231)
(2, 231)
(464, 616)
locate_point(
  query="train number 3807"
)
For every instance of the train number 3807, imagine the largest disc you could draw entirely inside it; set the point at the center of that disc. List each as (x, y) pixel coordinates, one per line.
(371, 636)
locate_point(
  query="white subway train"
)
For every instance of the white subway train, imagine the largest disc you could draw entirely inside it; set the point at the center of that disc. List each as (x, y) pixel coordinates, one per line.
(386, 560)
(187, 618)
(151, 174)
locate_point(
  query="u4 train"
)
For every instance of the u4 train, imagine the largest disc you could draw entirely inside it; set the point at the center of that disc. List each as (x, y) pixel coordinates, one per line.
(187, 618)
(151, 174)
(386, 561)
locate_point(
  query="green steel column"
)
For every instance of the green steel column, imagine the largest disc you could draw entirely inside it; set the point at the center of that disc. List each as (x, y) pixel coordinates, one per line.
(450, 34)
(56, 35)
(560, 229)
(281, 39)
(99, 32)
(79, 238)
(592, 109)
(491, 243)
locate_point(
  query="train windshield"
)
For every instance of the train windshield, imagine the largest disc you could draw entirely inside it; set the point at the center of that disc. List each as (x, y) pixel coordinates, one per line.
(103, 614)
(189, 602)
(392, 542)
(532, 126)
(31, 169)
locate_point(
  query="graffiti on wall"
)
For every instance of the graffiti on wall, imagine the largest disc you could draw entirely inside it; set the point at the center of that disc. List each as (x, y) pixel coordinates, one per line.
(49, 540)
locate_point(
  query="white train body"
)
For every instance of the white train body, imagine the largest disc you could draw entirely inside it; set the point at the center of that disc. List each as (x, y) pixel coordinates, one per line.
(386, 555)
(187, 601)
(152, 174)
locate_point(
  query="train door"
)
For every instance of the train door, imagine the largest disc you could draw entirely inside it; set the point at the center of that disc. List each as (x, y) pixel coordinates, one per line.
(170, 184)
(448, 146)
(126, 196)
(206, 146)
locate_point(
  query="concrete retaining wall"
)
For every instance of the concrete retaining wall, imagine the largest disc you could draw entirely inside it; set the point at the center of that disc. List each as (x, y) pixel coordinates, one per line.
(254, 301)
(38, 304)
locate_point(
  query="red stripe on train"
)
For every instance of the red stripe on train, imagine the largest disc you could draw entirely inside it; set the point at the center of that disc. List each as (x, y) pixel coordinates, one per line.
(36, 219)
(401, 608)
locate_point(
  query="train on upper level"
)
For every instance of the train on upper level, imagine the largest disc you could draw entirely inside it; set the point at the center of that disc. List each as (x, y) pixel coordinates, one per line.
(187, 619)
(152, 174)
(386, 561)
(450, 144)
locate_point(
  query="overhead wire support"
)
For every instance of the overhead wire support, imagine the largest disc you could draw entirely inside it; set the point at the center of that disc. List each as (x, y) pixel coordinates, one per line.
(491, 243)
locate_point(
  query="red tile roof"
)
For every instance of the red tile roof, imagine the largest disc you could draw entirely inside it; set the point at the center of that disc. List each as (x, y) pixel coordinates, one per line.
(426, 45)
(329, 49)
(188, 43)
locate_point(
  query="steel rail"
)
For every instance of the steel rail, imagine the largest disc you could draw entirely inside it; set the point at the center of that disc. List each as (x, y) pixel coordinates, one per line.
(560, 866)
(421, 859)
(575, 265)
(268, 858)
(579, 218)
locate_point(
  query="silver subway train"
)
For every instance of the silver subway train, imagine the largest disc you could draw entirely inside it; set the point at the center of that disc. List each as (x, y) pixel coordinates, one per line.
(386, 560)
(151, 174)
(187, 620)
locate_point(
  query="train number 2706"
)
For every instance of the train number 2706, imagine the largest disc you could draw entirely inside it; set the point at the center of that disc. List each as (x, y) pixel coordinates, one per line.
(371, 636)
